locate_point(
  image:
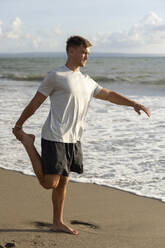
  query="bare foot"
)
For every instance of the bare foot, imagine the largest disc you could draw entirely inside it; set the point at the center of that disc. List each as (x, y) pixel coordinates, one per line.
(27, 139)
(63, 228)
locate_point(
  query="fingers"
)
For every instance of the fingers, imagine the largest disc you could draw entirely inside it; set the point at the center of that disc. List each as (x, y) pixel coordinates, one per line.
(139, 107)
(146, 110)
(18, 133)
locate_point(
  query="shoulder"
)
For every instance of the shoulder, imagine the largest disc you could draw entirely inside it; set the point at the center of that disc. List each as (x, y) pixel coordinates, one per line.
(87, 77)
(55, 72)
(91, 81)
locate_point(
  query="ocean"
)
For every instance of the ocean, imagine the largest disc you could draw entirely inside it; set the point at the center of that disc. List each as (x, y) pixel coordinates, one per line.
(121, 149)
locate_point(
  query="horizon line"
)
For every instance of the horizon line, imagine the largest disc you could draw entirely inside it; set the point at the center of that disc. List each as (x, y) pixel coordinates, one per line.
(93, 54)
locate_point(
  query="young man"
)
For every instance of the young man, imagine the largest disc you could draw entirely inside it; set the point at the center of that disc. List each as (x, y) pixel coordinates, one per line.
(70, 93)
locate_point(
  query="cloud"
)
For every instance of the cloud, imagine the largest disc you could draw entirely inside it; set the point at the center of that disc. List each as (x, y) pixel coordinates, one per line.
(151, 19)
(1, 28)
(11, 31)
(17, 37)
(14, 30)
(57, 30)
(148, 35)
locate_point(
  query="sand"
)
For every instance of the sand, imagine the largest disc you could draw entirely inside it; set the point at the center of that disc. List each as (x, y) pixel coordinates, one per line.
(104, 217)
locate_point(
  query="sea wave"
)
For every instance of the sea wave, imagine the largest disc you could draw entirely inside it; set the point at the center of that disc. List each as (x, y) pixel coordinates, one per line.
(39, 77)
(99, 79)
(29, 77)
(131, 80)
(103, 79)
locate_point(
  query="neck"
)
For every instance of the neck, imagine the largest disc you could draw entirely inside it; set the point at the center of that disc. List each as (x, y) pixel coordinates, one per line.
(72, 67)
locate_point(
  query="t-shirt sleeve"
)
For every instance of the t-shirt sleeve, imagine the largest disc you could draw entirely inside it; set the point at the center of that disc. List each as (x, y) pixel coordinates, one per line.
(97, 90)
(96, 87)
(48, 84)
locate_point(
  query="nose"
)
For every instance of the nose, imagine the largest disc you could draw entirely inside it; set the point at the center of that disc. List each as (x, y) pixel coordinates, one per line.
(86, 56)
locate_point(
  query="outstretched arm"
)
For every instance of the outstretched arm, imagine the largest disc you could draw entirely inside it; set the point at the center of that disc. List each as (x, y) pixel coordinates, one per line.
(114, 97)
(30, 109)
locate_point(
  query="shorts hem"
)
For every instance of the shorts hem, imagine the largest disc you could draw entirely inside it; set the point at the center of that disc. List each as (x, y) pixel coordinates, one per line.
(56, 173)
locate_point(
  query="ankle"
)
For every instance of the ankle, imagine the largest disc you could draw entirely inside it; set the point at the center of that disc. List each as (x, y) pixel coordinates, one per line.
(58, 223)
(28, 145)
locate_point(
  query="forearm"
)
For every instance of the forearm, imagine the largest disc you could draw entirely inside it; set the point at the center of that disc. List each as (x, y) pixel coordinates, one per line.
(35, 103)
(26, 114)
(116, 98)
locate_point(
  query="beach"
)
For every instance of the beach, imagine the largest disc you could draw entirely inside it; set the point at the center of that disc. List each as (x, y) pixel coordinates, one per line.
(119, 200)
(104, 217)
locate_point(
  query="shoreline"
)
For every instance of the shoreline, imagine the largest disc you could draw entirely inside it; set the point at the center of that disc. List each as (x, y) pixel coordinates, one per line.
(102, 185)
(105, 217)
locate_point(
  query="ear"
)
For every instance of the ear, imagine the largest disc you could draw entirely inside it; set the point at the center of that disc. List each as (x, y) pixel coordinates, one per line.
(72, 51)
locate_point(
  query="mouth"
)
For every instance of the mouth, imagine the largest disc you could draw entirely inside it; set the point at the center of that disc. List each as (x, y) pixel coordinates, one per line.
(83, 62)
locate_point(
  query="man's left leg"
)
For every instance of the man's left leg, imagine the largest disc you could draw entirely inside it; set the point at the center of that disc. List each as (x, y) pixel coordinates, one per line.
(58, 198)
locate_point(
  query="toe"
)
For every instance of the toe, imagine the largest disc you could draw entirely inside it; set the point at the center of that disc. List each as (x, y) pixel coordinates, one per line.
(75, 232)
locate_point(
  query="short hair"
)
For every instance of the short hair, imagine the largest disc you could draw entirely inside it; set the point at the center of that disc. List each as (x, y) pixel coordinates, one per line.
(76, 41)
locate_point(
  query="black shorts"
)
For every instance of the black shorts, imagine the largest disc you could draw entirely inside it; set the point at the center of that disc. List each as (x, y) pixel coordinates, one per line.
(61, 158)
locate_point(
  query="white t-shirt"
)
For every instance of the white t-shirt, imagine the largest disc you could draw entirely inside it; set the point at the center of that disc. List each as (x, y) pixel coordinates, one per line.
(70, 94)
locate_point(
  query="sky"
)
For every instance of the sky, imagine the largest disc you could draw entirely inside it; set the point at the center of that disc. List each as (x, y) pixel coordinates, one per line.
(113, 26)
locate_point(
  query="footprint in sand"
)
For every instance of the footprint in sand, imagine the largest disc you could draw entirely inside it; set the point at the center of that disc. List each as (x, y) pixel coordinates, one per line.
(90, 225)
(41, 224)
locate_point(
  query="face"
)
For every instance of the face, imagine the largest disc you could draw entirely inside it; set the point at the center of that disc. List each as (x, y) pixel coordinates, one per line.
(80, 55)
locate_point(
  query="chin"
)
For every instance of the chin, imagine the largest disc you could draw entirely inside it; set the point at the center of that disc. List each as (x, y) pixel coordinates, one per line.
(83, 64)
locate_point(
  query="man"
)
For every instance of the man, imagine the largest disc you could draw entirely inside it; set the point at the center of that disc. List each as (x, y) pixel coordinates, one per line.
(70, 93)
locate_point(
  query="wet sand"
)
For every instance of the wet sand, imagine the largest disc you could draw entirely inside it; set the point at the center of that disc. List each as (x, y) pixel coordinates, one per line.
(104, 217)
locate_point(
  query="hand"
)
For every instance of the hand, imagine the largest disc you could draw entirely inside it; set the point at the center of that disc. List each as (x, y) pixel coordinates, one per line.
(138, 107)
(17, 131)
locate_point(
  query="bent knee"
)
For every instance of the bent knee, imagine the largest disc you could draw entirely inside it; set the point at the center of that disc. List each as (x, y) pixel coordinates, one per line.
(50, 185)
(46, 186)
(51, 181)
